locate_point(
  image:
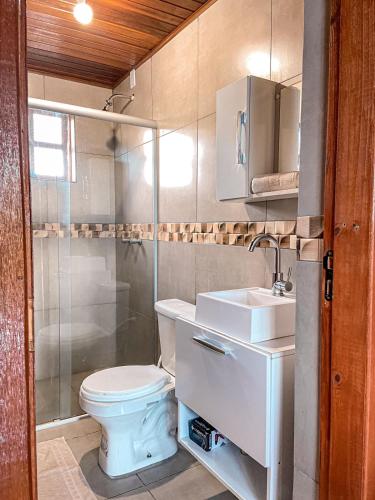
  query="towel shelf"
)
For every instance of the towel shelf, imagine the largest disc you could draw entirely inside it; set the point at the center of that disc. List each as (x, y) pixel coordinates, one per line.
(273, 195)
(269, 196)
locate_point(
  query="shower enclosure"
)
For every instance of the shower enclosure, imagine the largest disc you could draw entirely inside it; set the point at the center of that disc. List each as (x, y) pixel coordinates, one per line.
(94, 250)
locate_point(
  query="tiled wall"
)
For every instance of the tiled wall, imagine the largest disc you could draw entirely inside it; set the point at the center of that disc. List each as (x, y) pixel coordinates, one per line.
(306, 438)
(177, 87)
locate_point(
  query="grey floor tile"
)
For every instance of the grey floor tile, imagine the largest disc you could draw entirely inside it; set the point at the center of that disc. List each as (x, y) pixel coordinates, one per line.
(178, 478)
(181, 461)
(195, 483)
(102, 485)
(84, 444)
(138, 494)
(226, 495)
(73, 430)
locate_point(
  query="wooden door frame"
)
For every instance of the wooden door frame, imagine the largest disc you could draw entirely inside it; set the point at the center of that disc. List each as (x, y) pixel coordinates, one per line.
(17, 421)
(347, 395)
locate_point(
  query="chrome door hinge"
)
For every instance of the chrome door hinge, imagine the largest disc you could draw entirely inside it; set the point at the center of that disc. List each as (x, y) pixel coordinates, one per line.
(328, 280)
(30, 325)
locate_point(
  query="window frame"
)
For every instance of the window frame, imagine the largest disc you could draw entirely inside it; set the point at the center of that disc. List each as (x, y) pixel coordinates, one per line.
(67, 146)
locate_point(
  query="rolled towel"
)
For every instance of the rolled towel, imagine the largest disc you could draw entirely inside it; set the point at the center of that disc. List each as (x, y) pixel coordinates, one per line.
(275, 182)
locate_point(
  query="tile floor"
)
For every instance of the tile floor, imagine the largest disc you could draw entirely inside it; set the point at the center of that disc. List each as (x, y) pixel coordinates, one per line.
(179, 478)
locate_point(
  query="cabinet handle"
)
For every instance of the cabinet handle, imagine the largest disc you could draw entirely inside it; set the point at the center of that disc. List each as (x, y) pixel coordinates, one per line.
(208, 345)
(241, 122)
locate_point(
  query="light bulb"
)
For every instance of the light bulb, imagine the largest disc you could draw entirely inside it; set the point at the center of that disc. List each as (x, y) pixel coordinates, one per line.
(83, 12)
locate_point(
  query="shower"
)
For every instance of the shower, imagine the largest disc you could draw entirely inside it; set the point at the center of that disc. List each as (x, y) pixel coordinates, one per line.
(113, 142)
(90, 288)
(109, 101)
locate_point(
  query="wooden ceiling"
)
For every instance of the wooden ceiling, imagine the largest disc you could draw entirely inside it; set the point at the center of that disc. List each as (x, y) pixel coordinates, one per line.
(122, 34)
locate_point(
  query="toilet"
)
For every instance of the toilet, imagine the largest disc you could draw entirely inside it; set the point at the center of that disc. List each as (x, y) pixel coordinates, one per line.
(135, 405)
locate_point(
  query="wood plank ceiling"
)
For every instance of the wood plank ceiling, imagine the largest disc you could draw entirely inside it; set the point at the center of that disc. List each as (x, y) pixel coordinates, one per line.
(122, 34)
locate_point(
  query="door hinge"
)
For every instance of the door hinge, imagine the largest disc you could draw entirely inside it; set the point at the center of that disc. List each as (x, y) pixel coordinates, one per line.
(328, 267)
(30, 325)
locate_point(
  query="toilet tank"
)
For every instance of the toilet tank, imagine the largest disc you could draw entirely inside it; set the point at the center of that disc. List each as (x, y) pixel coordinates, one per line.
(168, 311)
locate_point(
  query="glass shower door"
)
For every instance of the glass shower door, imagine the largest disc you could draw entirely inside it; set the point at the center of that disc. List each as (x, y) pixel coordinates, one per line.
(50, 221)
(94, 293)
(51, 156)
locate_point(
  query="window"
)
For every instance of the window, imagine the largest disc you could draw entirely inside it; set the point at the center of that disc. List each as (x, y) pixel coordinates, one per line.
(51, 142)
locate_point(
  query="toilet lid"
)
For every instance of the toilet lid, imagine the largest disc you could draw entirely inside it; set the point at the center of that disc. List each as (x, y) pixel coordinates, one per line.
(124, 382)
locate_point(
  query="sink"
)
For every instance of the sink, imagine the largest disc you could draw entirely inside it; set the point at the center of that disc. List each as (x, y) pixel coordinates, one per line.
(249, 314)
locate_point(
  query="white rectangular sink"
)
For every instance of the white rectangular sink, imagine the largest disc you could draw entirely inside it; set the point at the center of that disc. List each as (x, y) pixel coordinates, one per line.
(249, 314)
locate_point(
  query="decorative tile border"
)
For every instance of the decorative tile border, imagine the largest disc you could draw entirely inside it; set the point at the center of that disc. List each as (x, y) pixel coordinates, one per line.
(89, 231)
(310, 226)
(302, 235)
(228, 233)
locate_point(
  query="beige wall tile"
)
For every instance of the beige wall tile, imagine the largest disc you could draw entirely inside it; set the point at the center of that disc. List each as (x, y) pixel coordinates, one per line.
(140, 107)
(35, 85)
(41, 248)
(121, 166)
(282, 209)
(176, 271)
(80, 94)
(135, 266)
(208, 209)
(177, 175)
(175, 81)
(39, 200)
(121, 188)
(54, 192)
(94, 136)
(134, 185)
(287, 39)
(304, 488)
(92, 196)
(121, 139)
(295, 81)
(226, 268)
(234, 41)
(307, 360)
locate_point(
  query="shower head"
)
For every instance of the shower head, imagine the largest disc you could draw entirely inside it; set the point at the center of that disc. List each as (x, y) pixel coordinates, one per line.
(109, 101)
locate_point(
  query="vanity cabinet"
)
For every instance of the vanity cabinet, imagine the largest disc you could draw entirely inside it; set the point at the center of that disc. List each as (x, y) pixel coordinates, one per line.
(246, 392)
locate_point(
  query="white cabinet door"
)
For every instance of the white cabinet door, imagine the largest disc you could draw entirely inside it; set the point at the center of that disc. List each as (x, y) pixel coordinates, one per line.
(245, 135)
(226, 383)
(232, 140)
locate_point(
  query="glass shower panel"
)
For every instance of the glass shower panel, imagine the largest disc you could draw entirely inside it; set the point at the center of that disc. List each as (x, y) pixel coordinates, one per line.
(135, 265)
(46, 301)
(67, 404)
(51, 156)
(91, 263)
(94, 292)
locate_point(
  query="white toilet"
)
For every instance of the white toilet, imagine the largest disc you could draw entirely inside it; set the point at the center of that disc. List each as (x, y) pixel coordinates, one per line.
(135, 405)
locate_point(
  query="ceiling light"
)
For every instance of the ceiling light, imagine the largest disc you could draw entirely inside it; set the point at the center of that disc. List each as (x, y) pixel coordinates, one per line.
(83, 12)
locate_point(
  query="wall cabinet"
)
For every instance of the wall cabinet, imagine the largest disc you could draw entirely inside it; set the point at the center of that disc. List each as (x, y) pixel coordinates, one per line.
(257, 133)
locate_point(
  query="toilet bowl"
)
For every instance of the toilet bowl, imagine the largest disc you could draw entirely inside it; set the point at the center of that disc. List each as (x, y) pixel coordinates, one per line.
(135, 405)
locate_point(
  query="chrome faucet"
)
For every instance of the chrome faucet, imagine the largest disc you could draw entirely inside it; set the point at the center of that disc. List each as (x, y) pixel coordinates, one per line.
(279, 286)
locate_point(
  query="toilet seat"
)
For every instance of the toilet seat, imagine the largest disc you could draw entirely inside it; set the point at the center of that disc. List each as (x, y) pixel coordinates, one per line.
(123, 383)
